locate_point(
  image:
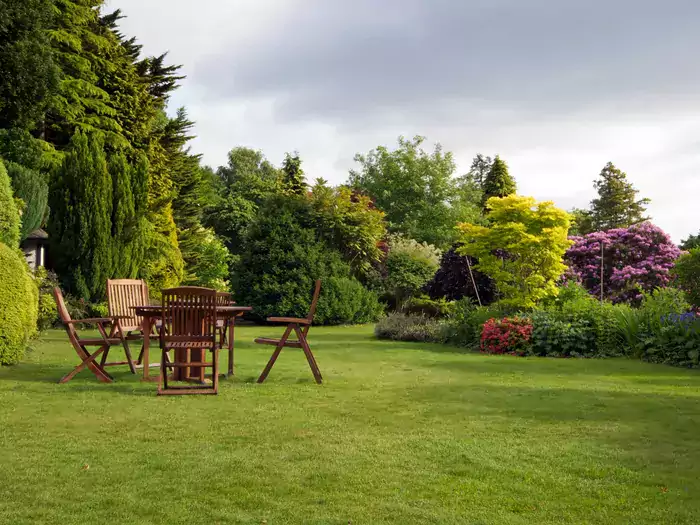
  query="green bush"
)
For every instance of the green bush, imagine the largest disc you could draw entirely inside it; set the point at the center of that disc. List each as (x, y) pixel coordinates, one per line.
(676, 342)
(19, 299)
(465, 325)
(345, 301)
(48, 313)
(686, 273)
(402, 327)
(410, 266)
(281, 257)
(9, 215)
(428, 307)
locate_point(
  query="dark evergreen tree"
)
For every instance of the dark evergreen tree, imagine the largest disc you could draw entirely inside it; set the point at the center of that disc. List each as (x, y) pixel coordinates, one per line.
(293, 180)
(29, 74)
(692, 242)
(617, 205)
(80, 230)
(498, 182)
(453, 281)
(480, 168)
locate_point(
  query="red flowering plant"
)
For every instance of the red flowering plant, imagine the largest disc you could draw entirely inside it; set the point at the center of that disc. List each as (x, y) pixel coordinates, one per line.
(506, 336)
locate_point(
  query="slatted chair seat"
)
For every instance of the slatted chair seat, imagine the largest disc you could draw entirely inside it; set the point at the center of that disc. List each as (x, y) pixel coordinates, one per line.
(300, 326)
(104, 343)
(122, 296)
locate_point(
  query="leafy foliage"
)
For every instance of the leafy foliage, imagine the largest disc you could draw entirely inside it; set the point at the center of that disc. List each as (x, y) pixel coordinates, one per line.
(9, 215)
(533, 237)
(686, 275)
(292, 175)
(415, 189)
(80, 228)
(498, 182)
(453, 280)
(399, 326)
(635, 259)
(410, 265)
(18, 305)
(344, 300)
(30, 187)
(693, 241)
(506, 336)
(617, 205)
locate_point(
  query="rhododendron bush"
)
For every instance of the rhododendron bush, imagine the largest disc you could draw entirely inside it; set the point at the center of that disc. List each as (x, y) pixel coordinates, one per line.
(635, 260)
(506, 336)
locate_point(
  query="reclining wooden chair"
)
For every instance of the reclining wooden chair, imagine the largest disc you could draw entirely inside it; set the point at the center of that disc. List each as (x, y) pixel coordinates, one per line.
(190, 329)
(294, 324)
(122, 296)
(104, 343)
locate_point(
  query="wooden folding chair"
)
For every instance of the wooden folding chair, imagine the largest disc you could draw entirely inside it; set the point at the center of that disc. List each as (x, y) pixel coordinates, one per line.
(80, 344)
(122, 296)
(190, 329)
(294, 324)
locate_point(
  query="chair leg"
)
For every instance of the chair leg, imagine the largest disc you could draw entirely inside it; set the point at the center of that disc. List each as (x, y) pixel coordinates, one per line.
(309, 355)
(275, 354)
(215, 372)
(127, 351)
(104, 358)
(99, 372)
(163, 379)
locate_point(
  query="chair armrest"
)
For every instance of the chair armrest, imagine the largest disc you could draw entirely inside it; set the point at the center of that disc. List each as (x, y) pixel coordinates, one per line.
(91, 320)
(297, 320)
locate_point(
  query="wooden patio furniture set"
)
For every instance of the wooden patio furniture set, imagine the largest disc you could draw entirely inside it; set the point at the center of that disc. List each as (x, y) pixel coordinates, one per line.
(192, 325)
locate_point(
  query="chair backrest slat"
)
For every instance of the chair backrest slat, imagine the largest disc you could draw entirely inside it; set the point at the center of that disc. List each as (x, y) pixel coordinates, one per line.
(122, 296)
(190, 311)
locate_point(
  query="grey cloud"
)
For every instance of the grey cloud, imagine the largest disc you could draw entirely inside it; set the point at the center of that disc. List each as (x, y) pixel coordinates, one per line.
(344, 59)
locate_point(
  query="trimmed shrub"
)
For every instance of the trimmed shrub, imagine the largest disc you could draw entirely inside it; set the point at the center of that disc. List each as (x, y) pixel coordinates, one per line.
(429, 307)
(506, 336)
(19, 299)
(402, 327)
(410, 265)
(345, 301)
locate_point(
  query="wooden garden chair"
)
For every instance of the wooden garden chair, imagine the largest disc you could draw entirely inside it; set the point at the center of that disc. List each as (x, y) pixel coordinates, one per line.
(81, 344)
(189, 328)
(122, 296)
(300, 326)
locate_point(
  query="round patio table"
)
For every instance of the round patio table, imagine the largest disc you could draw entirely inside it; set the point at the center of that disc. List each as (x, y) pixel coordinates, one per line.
(151, 313)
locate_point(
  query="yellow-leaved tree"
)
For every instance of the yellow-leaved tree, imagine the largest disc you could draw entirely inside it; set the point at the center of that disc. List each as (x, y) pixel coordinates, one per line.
(522, 248)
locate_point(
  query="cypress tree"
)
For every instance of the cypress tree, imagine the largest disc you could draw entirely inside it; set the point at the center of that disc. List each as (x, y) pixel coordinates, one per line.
(124, 223)
(293, 181)
(80, 230)
(498, 182)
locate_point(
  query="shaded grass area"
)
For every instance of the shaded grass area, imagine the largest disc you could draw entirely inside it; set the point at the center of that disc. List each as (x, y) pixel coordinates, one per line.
(398, 433)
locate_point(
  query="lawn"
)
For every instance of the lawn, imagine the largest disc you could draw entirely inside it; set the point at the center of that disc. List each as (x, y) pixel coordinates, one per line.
(398, 433)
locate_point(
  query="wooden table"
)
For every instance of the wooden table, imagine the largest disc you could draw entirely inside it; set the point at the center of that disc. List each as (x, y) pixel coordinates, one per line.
(150, 314)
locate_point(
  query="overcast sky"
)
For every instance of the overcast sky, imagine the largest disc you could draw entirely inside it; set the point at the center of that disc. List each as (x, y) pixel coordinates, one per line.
(556, 87)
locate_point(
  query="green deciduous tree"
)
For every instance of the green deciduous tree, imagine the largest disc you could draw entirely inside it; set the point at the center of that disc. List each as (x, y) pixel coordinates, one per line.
(522, 250)
(415, 189)
(617, 205)
(693, 241)
(80, 230)
(480, 168)
(9, 215)
(686, 275)
(29, 186)
(498, 182)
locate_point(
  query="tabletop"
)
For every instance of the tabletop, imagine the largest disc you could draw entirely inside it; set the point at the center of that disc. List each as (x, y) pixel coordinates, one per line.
(157, 309)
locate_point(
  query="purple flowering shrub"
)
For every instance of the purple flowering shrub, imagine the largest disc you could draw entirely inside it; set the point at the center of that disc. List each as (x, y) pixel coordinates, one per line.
(635, 260)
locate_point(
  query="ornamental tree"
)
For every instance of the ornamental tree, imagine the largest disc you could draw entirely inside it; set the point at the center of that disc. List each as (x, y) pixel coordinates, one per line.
(521, 250)
(634, 260)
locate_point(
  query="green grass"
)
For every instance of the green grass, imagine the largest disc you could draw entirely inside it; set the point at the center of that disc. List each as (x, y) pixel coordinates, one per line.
(398, 433)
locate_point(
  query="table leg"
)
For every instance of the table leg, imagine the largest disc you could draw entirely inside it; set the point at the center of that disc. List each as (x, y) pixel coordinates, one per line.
(231, 332)
(146, 344)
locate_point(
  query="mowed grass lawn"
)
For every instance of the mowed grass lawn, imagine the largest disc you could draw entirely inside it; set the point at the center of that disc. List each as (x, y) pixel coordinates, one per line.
(398, 433)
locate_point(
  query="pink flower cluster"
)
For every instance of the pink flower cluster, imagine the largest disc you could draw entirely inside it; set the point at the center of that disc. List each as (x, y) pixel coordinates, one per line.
(635, 260)
(506, 336)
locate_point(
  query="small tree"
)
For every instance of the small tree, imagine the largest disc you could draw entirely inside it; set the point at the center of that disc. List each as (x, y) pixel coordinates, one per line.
(521, 250)
(410, 265)
(80, 230)
(617, 205)
(292, 175)
(498, 182)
